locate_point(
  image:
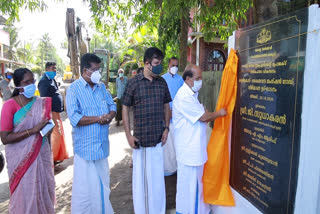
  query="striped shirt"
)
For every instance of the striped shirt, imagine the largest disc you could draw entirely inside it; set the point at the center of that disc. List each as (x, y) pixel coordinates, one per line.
(89, 142)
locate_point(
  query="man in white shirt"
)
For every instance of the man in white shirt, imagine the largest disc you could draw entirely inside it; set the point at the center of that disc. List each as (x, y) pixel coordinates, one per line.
(190, 122)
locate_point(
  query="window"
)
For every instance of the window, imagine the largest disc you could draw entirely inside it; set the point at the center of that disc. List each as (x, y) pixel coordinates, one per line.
(216, 61)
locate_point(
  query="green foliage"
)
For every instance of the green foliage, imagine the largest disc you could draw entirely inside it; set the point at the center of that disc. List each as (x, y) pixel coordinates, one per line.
(47, 52)
(27, 54)
(170, 17)
(36, 70)
(12, 7)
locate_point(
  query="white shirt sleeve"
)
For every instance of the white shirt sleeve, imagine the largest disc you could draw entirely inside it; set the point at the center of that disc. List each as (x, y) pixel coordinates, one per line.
(190, 108)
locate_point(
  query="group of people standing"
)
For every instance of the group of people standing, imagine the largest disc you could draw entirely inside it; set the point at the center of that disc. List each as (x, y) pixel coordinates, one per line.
(169, 135)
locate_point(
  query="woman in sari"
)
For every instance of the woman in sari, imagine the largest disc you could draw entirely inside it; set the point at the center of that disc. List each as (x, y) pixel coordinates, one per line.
(28, 154)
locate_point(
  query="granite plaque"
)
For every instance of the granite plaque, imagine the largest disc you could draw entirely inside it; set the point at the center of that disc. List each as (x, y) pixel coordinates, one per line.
(267, 117)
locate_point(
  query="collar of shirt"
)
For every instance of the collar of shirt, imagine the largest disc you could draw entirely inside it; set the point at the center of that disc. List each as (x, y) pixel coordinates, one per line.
(189, 90)
(85, 83)
(172, 75)
(141, 77)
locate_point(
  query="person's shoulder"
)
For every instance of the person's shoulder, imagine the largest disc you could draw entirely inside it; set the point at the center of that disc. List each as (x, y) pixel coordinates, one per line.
(133, 80)
(164, 75)
(179, 76)
(182, 92)
(102, 86)
(3, 83)
(75, 84)
(43, 80)
(161, 79)
(9, 104)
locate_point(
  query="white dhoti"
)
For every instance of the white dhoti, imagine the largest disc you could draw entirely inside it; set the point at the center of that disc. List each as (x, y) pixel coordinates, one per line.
(148, 187)
(189, 198)
(90, 188)
(169, 154)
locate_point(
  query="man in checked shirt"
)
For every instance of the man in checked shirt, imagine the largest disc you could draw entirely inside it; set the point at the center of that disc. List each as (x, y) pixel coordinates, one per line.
(149, 96)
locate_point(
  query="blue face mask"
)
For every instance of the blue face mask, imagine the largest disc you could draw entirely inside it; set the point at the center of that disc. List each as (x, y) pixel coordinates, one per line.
(9, 77)
(29, 90)
(51, 74)
(120, 74)
(157, 69)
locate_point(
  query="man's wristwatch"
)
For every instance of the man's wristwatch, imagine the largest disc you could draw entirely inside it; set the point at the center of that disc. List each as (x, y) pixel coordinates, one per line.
(167, 127)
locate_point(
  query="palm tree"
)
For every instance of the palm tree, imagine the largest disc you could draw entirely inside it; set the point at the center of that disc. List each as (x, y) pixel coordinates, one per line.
(135, 46)
(14, 43)
(46, 50)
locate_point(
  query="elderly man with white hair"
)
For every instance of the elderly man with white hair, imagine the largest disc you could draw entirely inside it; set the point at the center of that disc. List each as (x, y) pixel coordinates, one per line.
(121, 83)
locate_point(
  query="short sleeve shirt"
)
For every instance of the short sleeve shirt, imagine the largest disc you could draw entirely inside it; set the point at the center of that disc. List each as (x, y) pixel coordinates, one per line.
(147, 99)
(189, 132)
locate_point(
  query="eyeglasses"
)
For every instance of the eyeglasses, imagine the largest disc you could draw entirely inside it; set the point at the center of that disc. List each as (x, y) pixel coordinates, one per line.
(94, 70)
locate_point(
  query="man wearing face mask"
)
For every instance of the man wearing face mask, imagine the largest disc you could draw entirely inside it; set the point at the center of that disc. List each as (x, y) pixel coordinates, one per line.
(190, 123)
(6, 87)
(174, 82)
(121, 83)
(90, 109)
(149, 96)
(48, 87)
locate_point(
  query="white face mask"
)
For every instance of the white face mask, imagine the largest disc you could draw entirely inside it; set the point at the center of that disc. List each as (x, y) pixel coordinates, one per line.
(173, 70)
(196, 85)
(95, 77)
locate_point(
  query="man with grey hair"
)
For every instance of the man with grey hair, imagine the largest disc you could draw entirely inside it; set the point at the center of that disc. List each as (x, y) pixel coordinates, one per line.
(121, 83)
(189, 127)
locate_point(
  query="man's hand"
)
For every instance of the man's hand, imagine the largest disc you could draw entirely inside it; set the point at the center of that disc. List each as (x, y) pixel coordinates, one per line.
(106, 118)
(164, 136)
(131, 140)
(222, 112)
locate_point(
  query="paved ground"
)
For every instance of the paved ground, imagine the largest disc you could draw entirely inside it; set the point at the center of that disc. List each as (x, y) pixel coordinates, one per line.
(120, 176)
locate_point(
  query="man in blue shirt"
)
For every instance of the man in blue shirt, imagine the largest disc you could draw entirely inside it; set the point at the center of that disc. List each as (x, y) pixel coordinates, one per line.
(90, 108)
(121, 83)
(174, 82)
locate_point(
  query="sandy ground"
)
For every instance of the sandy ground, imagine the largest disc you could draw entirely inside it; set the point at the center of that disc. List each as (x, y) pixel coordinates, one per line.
(120, 176)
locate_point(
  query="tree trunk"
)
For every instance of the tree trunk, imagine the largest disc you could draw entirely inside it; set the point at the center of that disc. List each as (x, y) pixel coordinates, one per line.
(184, 39)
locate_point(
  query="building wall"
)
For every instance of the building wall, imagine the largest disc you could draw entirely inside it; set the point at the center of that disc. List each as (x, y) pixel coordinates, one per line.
(205, 49)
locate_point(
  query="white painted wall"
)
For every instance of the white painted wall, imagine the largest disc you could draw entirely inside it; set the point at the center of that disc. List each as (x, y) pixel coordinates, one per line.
(308, 189)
